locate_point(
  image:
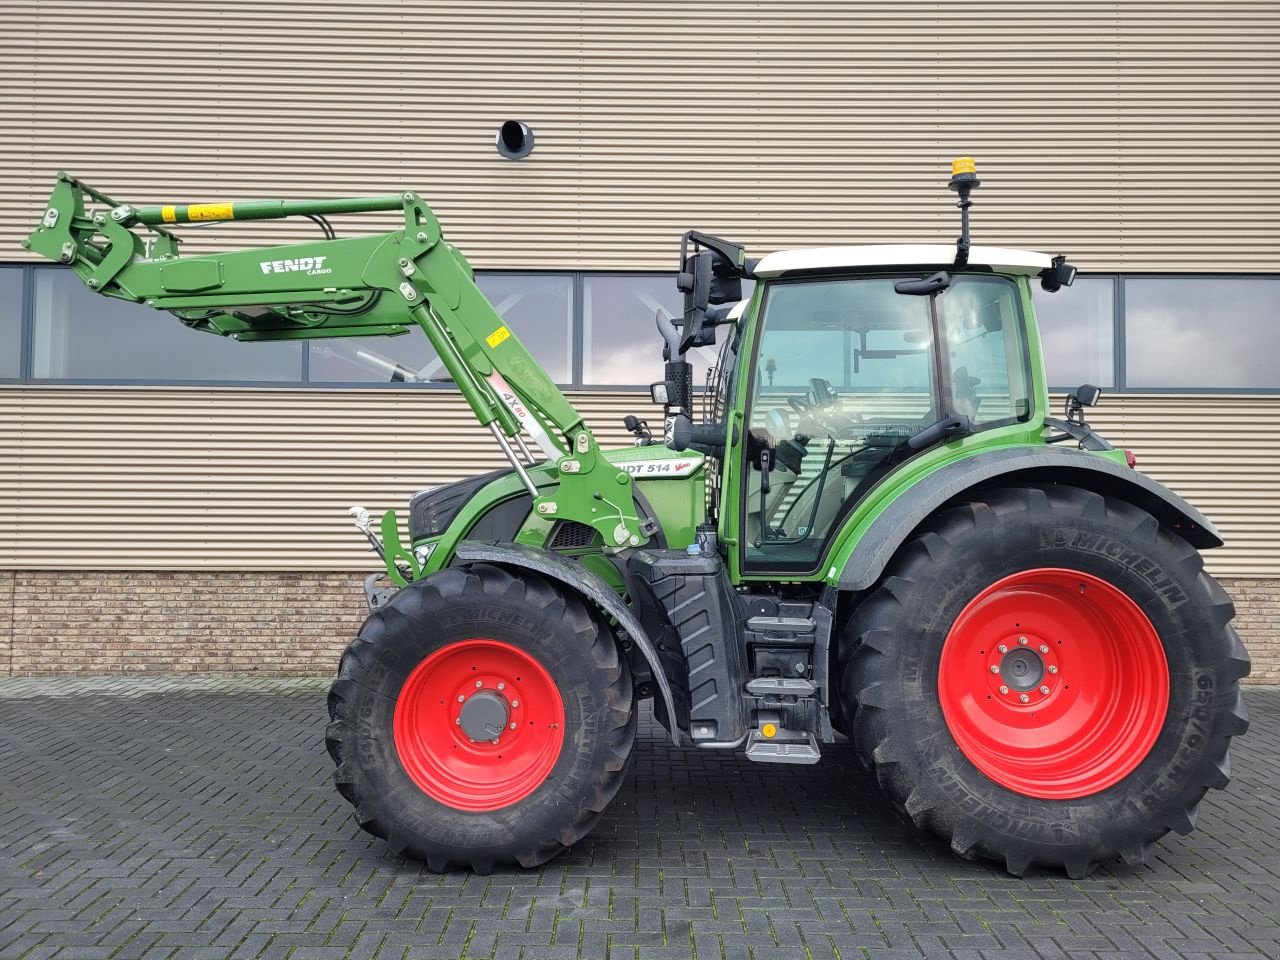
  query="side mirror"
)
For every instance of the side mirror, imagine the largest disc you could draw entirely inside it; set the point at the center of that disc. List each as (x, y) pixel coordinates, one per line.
(992, 322)
(694, 280)
(725, 288)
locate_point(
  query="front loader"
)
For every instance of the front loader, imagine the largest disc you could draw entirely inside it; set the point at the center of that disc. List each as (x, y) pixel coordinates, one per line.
(871, 526)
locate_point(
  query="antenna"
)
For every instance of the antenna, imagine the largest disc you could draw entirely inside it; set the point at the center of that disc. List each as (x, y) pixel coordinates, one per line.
(964, 180)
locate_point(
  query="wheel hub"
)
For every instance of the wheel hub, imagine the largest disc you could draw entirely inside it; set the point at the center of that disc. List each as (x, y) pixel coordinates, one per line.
(1022, 669)
(484, 715)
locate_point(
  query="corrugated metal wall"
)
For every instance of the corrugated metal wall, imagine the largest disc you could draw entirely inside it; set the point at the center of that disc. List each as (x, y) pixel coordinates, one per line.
(240, 479)
(1134, 135)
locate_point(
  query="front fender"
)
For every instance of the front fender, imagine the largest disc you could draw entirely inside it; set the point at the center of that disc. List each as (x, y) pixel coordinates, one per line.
(590, 586)
(873, 551)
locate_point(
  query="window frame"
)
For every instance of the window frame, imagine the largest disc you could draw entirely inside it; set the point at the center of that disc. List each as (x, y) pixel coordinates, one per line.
(1122, 348)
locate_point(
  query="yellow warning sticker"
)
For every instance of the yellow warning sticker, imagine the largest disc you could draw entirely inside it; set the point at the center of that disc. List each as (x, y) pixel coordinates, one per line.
(210, 211)
(495, 338)
(167, 215)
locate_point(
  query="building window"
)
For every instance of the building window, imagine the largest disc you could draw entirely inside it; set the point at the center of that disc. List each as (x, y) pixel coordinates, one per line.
(1077, 332)
(80, 335)
(620, 341)
(10, 322)
(597, 329)
(539, 310)
(1202, 332)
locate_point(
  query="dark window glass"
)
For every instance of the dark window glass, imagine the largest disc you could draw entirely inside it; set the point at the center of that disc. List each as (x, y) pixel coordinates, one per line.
(1200, 332)
(539, 310)
(10, 321)
(1077, 331)
(81, 335)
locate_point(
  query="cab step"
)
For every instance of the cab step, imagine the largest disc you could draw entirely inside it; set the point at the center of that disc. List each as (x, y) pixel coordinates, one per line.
(781, 687)
(786, 746)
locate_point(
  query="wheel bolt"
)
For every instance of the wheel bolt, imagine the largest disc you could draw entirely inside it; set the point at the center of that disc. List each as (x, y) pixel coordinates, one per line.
(1023, 697)
(457, 721)
(1045, 691)
(503, 686)
(1003, 688)
(479, 684)
(1022, 641)
(1043, 648)
(461, 698)
(515, 703)
(513, 726)
(1002, 648)
(994, 668)
(1052, 668)
(495, 741)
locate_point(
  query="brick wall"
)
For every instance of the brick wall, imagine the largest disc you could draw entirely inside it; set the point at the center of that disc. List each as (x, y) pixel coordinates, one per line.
(279, 623)
(1258, 620)
(128, 622)
(6, 622)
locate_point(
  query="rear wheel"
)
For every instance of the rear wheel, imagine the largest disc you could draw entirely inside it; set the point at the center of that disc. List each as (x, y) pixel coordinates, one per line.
(481, 718)
(1046, 676)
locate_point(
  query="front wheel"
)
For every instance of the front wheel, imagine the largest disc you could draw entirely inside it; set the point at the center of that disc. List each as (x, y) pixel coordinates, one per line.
(1046, 676)
(481, 718)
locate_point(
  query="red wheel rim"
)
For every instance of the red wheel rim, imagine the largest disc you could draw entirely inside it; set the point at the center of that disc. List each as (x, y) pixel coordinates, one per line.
(1054, 683)
(457, 696)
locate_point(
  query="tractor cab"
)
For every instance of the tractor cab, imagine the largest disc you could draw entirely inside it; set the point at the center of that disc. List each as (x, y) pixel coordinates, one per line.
(846, 365)
(857, 359)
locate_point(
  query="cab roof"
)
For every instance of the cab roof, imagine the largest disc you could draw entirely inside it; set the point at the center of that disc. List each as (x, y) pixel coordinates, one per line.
(940, 255)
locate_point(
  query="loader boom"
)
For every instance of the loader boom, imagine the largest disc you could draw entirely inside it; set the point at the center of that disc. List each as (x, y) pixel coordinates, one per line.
(381, 285)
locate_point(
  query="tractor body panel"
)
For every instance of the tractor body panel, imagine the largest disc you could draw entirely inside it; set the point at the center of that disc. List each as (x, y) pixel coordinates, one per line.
(668, 488)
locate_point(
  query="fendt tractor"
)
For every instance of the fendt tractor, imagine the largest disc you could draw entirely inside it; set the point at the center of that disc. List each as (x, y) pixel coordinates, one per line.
(870, 523)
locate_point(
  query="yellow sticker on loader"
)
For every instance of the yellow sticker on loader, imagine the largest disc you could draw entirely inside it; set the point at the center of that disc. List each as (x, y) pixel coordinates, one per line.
(167, 215)
(210, 211)
(497, 337)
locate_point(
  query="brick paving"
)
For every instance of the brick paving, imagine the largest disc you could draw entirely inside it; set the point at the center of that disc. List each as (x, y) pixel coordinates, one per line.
(195, 819)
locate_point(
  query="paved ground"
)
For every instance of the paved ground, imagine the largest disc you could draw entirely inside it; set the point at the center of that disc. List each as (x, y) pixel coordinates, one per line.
(183, 820)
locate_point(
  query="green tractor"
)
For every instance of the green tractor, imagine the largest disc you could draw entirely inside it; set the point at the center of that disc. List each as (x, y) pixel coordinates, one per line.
(871, 524)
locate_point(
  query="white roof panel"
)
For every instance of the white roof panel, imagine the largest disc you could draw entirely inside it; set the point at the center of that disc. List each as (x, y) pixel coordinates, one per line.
(999, 259)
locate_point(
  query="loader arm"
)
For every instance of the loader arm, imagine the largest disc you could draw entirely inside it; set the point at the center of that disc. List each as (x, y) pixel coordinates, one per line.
(380, 285)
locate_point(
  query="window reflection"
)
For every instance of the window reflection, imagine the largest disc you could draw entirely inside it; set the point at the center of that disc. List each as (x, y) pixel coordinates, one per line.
(621, 345)
(1077, 332)
(81, 335)
(539, 310)
(1202, 332)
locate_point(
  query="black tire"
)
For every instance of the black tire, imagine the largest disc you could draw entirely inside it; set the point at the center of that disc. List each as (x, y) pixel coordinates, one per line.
(554, 626)
(890, 685)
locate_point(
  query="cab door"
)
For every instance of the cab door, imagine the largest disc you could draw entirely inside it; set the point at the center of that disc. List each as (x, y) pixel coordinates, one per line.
(843, 373)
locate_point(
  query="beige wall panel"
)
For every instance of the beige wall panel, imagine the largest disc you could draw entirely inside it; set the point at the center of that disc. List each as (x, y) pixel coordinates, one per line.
(1133, 135)
(256, 479)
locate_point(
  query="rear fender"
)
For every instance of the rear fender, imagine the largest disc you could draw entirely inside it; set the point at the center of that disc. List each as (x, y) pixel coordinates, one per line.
(591, 588)
(1011, 466)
